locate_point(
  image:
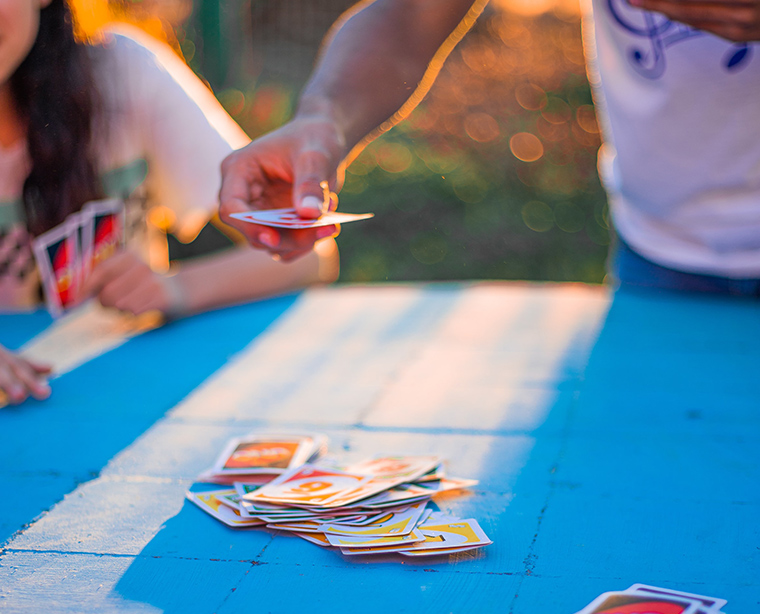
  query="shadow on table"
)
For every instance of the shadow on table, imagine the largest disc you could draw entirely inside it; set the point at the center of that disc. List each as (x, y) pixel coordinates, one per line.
(656, 479)
(610, 494)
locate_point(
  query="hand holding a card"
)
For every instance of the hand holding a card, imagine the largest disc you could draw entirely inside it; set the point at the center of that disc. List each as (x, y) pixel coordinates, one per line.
(21, 378)
(295, 166)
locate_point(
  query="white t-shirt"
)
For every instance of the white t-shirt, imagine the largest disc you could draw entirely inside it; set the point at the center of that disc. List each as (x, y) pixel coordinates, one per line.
(681, 120)
(161, 142)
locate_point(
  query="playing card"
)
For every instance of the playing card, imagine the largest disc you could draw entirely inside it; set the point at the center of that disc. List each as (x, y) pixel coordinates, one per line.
(305, 515)
(289, 218)
(446, 484)
(86, 238)
(345, 541)
(232, 499)
(404, 494)
(307, 485)
(418, 491)
(243, 488)
(259, 507)
(363, 519)
(426, 514)
(307, 526)
(374, 550)
(635, 603)
(103, 230)
(78, 221)
(439, 518)
(262, 454)
(57, 257)
(709, 602)
(386, 472)
(437, 473)
(404, 468)
(388, 525)
(458, 534)
(210, 503)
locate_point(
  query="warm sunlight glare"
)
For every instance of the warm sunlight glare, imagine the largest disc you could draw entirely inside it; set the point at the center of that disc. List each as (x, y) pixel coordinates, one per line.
(536, 7)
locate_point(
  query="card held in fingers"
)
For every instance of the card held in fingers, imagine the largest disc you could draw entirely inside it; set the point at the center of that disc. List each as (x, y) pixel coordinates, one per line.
(289, 218)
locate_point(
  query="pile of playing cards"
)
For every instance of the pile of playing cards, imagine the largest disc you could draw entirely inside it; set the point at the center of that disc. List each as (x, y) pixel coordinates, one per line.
(643, 599)
(66, 254)
(289, 218)
(376, 506)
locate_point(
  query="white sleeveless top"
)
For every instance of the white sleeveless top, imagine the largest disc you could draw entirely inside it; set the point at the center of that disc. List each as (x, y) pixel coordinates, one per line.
(681, 121)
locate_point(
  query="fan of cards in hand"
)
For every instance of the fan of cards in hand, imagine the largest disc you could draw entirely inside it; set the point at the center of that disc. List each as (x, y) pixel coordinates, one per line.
(644, 599)
(376, 506)
(67, 253)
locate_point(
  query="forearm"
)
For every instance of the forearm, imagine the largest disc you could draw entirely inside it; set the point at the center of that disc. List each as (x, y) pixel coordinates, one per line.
(243, 274)
(380, 62)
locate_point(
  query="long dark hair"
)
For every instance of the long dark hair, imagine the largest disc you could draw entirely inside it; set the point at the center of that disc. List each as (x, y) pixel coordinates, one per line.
(55, 93)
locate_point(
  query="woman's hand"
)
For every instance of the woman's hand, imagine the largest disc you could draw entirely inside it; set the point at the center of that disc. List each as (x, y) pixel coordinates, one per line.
(21, 378)
(128, 284)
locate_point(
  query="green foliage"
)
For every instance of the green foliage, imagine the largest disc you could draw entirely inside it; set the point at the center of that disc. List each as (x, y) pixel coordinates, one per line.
(452, 199)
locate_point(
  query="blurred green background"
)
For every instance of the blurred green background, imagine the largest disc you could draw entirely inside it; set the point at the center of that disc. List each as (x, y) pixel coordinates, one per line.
(493, 176)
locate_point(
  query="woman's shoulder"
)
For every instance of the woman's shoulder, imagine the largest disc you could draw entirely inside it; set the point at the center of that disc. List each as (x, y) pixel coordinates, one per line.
(122, 47)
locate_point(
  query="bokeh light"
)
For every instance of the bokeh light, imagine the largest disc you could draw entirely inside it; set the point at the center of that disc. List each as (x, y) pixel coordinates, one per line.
(526, 147)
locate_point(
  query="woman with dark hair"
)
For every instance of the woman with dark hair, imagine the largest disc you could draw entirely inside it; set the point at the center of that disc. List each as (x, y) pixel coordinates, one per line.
(128, 119)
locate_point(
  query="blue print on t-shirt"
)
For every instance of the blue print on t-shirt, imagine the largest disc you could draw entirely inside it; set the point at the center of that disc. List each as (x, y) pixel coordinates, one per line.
(661, 33)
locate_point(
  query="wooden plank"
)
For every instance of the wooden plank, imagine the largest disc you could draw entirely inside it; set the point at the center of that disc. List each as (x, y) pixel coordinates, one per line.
(81, 583)
(634, 464)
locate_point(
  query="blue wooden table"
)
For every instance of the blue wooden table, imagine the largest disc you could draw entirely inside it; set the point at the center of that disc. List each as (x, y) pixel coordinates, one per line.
(616, 440)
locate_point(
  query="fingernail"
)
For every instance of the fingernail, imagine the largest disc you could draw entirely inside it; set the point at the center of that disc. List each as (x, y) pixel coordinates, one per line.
(325, 231)
(312, 202)
(16, 392)
(269, 238)
(43, 388)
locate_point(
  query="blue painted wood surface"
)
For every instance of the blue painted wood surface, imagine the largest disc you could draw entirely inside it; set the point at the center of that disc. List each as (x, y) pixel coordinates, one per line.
(615, 442)
(47, 448)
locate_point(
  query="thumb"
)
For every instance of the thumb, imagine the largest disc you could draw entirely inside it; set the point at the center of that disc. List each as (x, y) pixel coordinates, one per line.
(311, 180)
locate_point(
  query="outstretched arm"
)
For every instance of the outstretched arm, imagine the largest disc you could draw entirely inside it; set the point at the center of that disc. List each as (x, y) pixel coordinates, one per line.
(380, 60)
(234, 276)
(376, 65)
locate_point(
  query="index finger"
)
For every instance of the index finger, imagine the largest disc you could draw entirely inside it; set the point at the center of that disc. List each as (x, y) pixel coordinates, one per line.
(311, 182)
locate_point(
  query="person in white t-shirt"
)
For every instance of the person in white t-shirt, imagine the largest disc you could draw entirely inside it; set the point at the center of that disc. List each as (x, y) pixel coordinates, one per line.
(126, 119)
(678, 107)
(681, 154)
